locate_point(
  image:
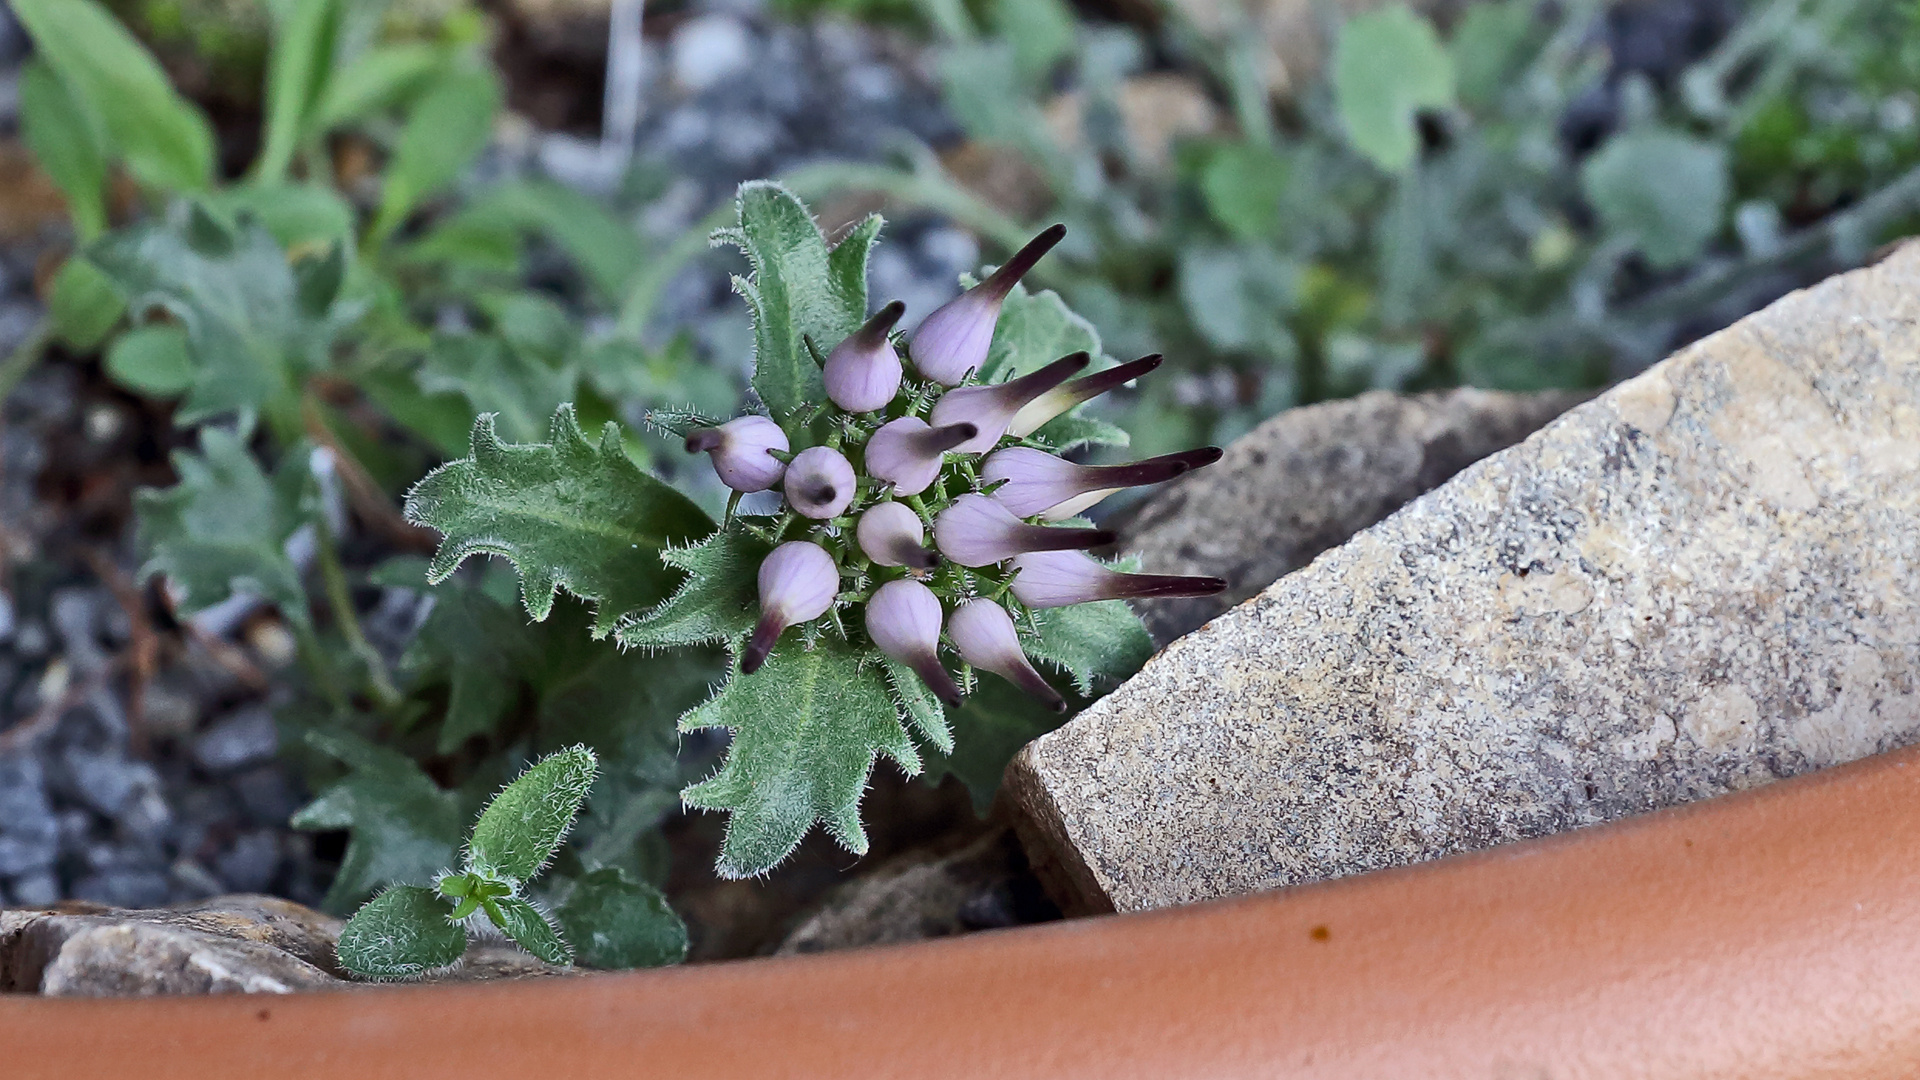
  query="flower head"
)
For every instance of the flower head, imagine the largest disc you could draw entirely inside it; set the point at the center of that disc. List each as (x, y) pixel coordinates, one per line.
(990, 408)
(903, 619)
(798, 581)
(1034, 482)
(820, 483)
(978, 531)
(952, 343)
(862, 373)
(739, 451)
(983, 633)
(890, 534)
(907, 452)
(1049, 579)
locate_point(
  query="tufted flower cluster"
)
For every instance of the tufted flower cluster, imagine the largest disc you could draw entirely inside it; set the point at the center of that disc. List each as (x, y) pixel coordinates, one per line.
(944, 454)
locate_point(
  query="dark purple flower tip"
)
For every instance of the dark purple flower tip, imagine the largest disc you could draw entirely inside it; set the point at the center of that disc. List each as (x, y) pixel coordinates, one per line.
(739, 451)
(903, 619)
(983, 632)
(977, 531)
(991, 408)
(820, 483)
(1033, 482)
(891, 534)
(953, 341)
(798, 581)
(1048, 579)
(1058, 400)
(907, 452)
(863, 372)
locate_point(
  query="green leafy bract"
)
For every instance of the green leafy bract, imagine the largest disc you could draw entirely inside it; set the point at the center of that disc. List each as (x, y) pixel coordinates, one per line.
(806, 729)
(717, 605)
(616, 922)
(233, 289)
(529, 929)
(523, 826)
(1102, 641)
(402, 933)
(1388, 65)
(223, 529)
(799, 289)
(1035, 329)
(404, 827)
(567, 513)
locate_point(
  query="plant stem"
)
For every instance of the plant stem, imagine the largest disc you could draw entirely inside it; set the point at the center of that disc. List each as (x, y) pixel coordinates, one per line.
(24, 356)
(334, 577)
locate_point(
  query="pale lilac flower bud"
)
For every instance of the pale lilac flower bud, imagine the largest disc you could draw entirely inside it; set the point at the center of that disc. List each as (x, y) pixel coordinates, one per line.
(990, 408)
(863, 372)
(1048, 579)
(903, 619)
(1061, 398)
(977, 531)
(820, 482)
(1037, 483)
(907, 452)
(739, 449)
(798, 581)
(952, 342)
(891, 535)
(983, 632)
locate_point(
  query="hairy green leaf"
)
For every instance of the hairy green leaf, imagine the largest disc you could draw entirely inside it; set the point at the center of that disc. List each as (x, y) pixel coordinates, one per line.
(718, 602)
(117, 84)
(993, 724)
(1034, 330)
(478, 648)
(223, 528)
(65, 143)
(807, 728)
(1661, 191)
(84, 306)
(923, 710)
(1243, 184)
(528, 928)
(296, 215)
(377, 79)
(404, 827)
(565, 512)
(1100, 641)
(232, 288)
(523, 826)
(297, 69)
(402, 933)
(520, 391)
(1387, 66)
(152, 360)
(798, 289)
(616, 922)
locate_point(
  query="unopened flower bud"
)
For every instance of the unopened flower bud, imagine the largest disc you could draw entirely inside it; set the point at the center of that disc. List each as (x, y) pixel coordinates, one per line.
(891, 535)
(820, 482)
(983, 632)
(1034, 482)
(903, 619)
(991, 408)
(863, 372)
(1061, 398)
(798, 581)
(907, 452)
(952, 342)
(1048, 579)
(739, 450)
(977, 531)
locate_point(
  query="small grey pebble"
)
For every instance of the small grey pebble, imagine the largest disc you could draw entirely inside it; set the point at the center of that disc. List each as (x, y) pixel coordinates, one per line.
(30, 641)
(22, 855)
(6, 617)
(268, 794)
(132, 888)
(710, 48)
(251, 863)
(243, 738)
(104, 781)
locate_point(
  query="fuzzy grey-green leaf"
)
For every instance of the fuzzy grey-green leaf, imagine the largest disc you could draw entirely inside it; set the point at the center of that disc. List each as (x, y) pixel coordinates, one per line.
(716, 604)
(1097, 641)
(616, 922)
(523, 826)
(402, 933)
(566, 513)
(523, 923)
(404, 827)
(807, 727)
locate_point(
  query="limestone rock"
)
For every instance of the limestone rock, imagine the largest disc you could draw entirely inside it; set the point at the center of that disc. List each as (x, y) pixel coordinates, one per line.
(1308, 479)
(1703, 580)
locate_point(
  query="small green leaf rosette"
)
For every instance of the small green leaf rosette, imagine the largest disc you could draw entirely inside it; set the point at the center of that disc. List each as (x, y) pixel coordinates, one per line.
(403, 933)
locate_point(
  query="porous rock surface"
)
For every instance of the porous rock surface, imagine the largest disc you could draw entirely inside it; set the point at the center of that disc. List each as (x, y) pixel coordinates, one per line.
(1308, 479)
(1703, 580)
(226, 945)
